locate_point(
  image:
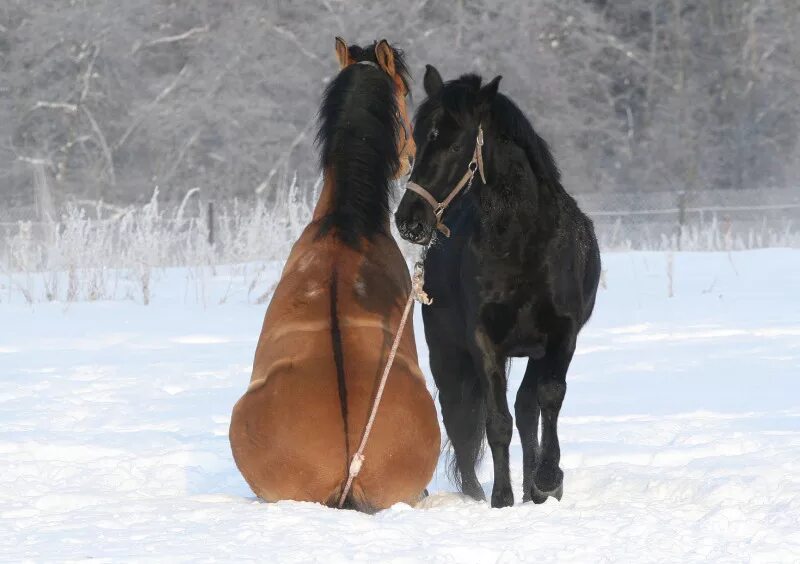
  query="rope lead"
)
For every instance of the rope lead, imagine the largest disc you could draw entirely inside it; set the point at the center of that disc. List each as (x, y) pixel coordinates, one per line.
(417, 292)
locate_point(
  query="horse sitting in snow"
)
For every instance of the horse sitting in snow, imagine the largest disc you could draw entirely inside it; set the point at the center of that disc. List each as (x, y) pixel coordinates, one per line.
(333, 317)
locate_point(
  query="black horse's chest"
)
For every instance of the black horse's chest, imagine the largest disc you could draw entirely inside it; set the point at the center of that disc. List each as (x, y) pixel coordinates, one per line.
(484, 283)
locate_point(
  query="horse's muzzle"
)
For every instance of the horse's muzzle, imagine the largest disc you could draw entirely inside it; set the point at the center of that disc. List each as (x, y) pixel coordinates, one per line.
(413, 226)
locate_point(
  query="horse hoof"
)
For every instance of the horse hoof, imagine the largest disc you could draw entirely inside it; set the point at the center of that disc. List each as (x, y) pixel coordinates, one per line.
(548, 480)
(474, 491)
(538, 496)
(531, 494)
(503, 498)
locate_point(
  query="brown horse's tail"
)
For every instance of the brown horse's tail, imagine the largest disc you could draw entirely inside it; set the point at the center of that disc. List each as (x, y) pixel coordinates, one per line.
(356, 499)
(338, 359)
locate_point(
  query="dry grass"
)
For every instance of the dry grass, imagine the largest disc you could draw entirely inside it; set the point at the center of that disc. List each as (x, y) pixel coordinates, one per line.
(104, 253)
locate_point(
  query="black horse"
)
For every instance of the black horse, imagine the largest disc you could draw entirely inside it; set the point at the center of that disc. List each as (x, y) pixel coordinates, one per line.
(516, 276)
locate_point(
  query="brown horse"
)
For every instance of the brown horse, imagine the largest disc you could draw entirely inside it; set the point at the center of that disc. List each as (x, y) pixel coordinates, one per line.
(333, 317)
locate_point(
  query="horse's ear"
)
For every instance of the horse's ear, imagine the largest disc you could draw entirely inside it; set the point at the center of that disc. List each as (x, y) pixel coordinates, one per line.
(342, 53)
(433, 81)
(487, 94)
(385, 56)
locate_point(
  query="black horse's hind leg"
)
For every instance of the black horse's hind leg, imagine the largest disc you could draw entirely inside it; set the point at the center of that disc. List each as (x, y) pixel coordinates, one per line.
(526, 410)
(551, 388)
(499, 424)
(461, 399)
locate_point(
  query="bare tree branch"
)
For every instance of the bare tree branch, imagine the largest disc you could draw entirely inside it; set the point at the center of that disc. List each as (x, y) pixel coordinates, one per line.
(112, 177)
(87, 76)
(143, 114)
(170, 39)
(69, 108)
(284, 159)
(297, 43)
(181, 155)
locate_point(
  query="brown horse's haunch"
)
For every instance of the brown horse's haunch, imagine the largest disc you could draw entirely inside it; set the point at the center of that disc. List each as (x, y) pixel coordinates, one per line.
(330, 325)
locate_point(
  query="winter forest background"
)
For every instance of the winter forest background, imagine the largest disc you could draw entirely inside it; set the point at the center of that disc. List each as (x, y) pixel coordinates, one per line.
(157, 162)
(191, 123)
(645, 95)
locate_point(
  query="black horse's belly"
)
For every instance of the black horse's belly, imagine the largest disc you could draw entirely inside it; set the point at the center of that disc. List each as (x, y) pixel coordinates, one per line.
(526, 338)
(528, 349)
(516, 330)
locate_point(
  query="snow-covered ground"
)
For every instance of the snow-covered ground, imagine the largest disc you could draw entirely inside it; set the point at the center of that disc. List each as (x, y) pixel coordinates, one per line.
(680, 433)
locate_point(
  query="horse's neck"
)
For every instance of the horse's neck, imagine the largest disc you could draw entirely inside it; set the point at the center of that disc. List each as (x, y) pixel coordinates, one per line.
(513, 206)
(326, 202)
(513, 186)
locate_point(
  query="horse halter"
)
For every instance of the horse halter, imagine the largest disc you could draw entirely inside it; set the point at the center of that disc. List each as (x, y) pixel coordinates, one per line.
(476, 164)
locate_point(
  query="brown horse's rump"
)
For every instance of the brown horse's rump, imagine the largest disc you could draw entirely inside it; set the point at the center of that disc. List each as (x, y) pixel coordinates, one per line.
(324, 343)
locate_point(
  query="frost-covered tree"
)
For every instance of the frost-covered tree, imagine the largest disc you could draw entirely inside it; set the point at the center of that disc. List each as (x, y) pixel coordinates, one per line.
(109, 99)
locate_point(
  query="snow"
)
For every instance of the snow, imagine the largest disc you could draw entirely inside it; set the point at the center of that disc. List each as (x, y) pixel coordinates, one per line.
(680, 433)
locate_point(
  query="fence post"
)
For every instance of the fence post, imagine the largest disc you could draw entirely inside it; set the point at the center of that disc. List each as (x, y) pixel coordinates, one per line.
(681, 216)
(210, 223)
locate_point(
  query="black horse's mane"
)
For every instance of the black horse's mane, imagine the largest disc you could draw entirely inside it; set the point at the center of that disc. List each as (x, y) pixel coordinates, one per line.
(358, 130)
(459, 98)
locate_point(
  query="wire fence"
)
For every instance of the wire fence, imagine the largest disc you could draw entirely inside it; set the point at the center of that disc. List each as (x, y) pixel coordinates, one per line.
(201, 231)
(702, 220)
(93, 250)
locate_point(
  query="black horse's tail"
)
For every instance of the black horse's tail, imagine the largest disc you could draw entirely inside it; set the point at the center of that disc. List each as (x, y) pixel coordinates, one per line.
(474, 441)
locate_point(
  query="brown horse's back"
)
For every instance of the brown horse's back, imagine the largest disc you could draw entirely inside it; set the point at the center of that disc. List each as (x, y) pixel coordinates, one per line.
(323, 346)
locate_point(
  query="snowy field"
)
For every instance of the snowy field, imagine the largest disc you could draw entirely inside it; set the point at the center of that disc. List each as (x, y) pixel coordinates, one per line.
(680, 432)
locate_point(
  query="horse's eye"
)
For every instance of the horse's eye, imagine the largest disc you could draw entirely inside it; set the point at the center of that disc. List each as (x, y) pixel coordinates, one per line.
(433, 134)
(456, 148)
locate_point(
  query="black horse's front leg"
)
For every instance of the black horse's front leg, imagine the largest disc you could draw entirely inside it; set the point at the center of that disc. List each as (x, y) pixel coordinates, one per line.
(499, 423)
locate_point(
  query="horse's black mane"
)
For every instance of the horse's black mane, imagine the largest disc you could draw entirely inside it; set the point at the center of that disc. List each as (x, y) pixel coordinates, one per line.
(459, 98)
(358, 130)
